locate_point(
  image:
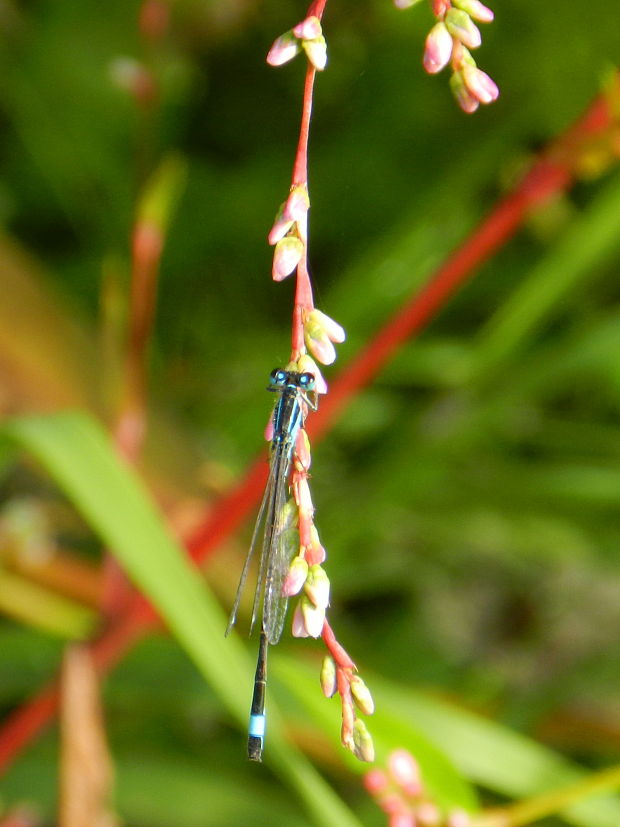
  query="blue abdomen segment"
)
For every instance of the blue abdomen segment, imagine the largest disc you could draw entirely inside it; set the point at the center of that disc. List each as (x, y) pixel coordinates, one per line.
(257, 726)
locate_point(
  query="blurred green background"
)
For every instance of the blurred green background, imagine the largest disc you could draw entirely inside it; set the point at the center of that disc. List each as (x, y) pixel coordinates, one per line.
(468, 500)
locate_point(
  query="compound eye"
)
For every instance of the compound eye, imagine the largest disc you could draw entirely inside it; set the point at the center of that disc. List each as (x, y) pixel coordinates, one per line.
(306, 380)
(278, 376)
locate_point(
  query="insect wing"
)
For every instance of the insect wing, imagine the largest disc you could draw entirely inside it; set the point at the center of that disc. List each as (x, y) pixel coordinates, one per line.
(246, 566)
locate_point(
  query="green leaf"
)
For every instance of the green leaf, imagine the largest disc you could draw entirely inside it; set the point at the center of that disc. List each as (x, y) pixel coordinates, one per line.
(113, 500)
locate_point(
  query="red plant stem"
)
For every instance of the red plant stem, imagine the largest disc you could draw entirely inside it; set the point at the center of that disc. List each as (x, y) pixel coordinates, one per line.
(300, 167)
(303, 291)
(334, 648)
(551, 175)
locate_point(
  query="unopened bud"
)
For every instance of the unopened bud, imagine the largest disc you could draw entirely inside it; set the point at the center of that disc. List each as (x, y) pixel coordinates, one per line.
(348, 722)
(376, 781)
(462, 27)
(315, 552)
(438, 49)
(308, 29)
(395, 807)
(316, 51)
(303, 457)
(304, 498)
(319, 332)
(329, 684)
(428, 815)
(286, 257)
(295, 577)
(314, 617)
(330, 326)
(475, 9)
(364, 749)
(361, 695)
(131, 76)
(458, 818)
(464, 98)
(402, 818)
(281, 226)
(317, 586)
(297, 204)
(298, 627)
(479, 84)
(284, 48)
(306, 364)
(405, 4)
(440, 7)
(405, 771)
(319, 345)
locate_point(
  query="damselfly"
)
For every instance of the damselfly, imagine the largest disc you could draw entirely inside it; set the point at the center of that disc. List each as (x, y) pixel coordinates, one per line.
(288, 417)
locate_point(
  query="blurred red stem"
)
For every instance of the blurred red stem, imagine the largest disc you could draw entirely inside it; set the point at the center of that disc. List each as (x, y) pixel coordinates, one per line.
(551, 175)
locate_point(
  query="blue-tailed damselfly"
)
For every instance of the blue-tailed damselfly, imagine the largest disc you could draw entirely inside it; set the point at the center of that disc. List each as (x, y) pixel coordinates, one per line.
(288, 417)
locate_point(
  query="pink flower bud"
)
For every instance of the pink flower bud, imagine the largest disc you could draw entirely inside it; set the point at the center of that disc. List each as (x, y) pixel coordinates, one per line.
(329, 684)
(393, 805)
(308, 29)
(295, 577)
(475, 9)
(314, 617)
(317, 586)
(297, 204)
(315, 553)
(319, 333)
(317, 52)
(402, 819)
(464, 98)
(405, 771)
(479, 84)
(284, 48)
(440, 7)
(376, 781)
(348, 722)
(405, 4)
(320, 346)
(458, 818)
(306, 364)
(361, 695)
(334, 331)
(429, 815)
(280, 227)
(131, 76)
(364, 749)
(299, 624)
(462, 27)
(303, 458)
(438, 49)
(286, 257)
(303, 498)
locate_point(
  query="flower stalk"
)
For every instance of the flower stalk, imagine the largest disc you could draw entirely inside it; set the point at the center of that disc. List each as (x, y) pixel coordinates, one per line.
(450, 42)
(313, 338)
